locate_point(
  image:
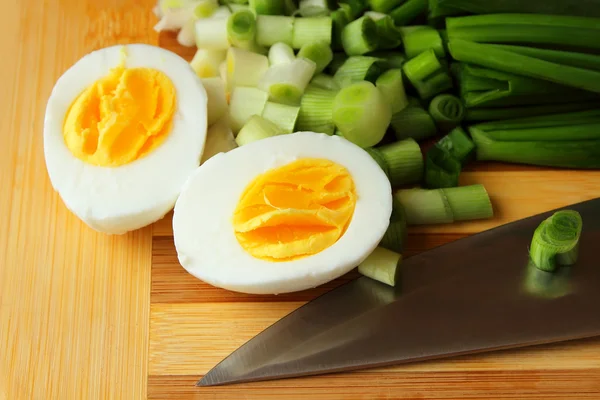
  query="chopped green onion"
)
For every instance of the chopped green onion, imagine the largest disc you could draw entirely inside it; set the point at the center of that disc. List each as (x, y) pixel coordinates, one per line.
(217, 99)
(206, 62)
(219, 139)
(427, 75)
(556, 241)
(186, 36)
(558, 31)
(282, 115)
(339, 20)
(378, 157)
(360, 36)
(205, 9)
(493, 114)
(267, 7)
(581, 60)
(392, 59)
(361, 114)
(241, 30)
(388, 32)
(384, 6)
(338, 60)
(222, 12)
(257, 128)
(458, 144)
(382, 265)
(404, 162)
(316, 110)
(442, 206)
(441, 169)
(447, 111)
(391, 85)
(290, 7)
(508, 61)
(357, 69)
(325, 82)
(396, 233)
(281, 53)
(319, 52)
(408, 12)
(310, 30)
(413, 122)
(245, 102)
(271, 29)
(313, 8)
(245, 68)
(285, 83)
(418, 39)
(211, 33)
(354, 8)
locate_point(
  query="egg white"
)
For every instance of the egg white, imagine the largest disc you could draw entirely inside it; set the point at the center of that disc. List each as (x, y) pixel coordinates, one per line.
(205, 240)
(120, 199)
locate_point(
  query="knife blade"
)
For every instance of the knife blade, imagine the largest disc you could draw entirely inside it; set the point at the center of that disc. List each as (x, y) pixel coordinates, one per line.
(476, 294)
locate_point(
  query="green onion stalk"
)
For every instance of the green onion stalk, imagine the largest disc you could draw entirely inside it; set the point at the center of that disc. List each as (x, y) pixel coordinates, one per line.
(402, 161)
(413, 122)
(444, 161)
(316, 110)
(409, 11)
(417, 39)
(427, 75)
(360, 36)
(357, 69)
(447, 111)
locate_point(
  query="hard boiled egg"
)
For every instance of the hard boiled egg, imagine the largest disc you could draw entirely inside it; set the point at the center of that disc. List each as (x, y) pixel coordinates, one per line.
(124, 128)
(281, 214)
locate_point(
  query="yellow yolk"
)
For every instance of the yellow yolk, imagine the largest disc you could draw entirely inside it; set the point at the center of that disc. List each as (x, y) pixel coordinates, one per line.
(121, 117)
(296, 210)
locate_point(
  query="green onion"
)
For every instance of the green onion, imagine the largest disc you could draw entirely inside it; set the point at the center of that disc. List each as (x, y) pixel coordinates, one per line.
(319, 52)
(285, 83)
(219, 139)
(392, 87)
(211, 33)
(483, 87)
(338, 60)
(313, 8)
(458, 144)
(404, 162)
(361, 114)
(267, 7)
(413, 122)
(205, 9)
(377, 156)
(558, 31)
(418, 39)
(271, 29)
(492, 114)
(339, 20)
(324, 82)
(392, 59)
(360, 36)
(245, 68)
(396, 233)
(357, 69)
(244, 103)
(241, 30)
(217, 100)
(280, 53)
(354, 7)
(384, 6)
(282, 115)
(389, 33)
(556, 241)
(581, 60)
(257, 128)
(447, 111)
(382, 265)
(290, 7)
(408, 12)
(316, 110)
(440, 206)
(427, 75)
(206, 62)
(311, 30)
(509, 61)
(441, 169)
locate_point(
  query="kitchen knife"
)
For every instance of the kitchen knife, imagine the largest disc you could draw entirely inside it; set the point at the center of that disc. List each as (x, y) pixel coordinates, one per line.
(476, 294)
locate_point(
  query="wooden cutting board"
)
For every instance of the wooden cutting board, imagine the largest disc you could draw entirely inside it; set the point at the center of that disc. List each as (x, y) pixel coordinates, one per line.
(89, 316)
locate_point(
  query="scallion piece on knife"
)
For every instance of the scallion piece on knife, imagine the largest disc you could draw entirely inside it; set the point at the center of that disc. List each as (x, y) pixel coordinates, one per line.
(396, 233)
(427, 75)
(285, 83)
(325, 81)
(282, 115)
(311, 30)
(361, 114)
(392, 87)
(556, 241)
(316, 110)
(271, 29)
(441, 169)
(244, 103)
(245, 68)
(447, 111)
(241, 30)
(257, 128)
(413, 122)
(280, 53)
(357, 69)
(382, 265)
(408, 12)
(360, 36)
(211, 33)
(419, 38)
(267, 7)
(206, 62)
(319, 52)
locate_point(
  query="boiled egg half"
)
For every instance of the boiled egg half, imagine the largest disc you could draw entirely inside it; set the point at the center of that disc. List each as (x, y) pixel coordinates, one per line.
(124, 128)
(281, 214)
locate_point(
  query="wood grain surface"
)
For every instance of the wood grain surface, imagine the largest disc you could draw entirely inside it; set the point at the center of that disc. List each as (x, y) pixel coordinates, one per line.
(89, 316)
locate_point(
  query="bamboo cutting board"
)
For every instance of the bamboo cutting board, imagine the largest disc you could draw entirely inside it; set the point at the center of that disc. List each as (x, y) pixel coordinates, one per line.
(90, 316)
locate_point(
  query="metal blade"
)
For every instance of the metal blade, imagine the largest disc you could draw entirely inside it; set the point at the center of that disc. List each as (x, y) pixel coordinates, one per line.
(476, 294)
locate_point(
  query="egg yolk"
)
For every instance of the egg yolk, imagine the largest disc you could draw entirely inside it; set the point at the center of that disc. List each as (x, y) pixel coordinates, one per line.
(295, 210)
(120, 117)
